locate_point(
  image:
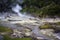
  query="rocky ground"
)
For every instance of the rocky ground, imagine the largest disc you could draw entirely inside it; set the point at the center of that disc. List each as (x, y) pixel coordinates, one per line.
(30, 27)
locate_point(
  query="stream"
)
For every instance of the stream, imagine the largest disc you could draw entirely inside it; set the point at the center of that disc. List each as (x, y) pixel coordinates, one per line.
(11, 19)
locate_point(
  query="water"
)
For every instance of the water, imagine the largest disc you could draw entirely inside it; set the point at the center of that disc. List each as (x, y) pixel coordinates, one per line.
(24, 17)
(25, 20)
(57, 35)
(17, 9)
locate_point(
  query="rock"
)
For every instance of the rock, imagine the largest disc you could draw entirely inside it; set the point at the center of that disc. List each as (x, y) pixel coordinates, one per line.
(28, 34)
(1, 37)
(17, 33)
(46, 26)
(48, 32)
(27, 30)
(57, 35)
(54, 26)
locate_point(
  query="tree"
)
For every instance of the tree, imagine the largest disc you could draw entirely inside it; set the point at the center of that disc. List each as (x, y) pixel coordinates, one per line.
(42, 7)
(5, 5)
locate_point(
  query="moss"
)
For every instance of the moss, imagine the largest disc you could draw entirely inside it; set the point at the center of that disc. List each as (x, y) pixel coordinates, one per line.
(22, 39)
(46, 26)
(7, 37)
(58, 23)
(5, 29)
(55, 26)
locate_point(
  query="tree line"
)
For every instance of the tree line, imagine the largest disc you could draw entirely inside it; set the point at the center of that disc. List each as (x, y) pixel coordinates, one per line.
(35, 7)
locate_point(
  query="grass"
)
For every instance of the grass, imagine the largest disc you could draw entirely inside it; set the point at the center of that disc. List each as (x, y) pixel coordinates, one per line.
(7, 37)
(22, 39)
(5, 29)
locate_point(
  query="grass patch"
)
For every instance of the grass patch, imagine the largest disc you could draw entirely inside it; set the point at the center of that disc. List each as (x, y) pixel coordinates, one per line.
(7, 37)
(22, 39)
(5, 29)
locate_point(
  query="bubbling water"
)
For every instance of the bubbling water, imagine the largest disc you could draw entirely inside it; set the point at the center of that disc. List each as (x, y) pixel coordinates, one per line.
(17, 9)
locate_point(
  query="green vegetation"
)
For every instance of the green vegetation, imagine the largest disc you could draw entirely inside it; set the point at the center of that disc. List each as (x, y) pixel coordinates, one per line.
(6, 37)
(5, 5)
(22, 39)
(42, 7)
(58, 23)
(5, 29)
(56, 26)
(36, 7)
(46, 26)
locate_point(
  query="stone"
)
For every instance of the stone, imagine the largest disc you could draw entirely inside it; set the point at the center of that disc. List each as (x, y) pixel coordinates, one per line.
(1, 37)
(48, 32)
